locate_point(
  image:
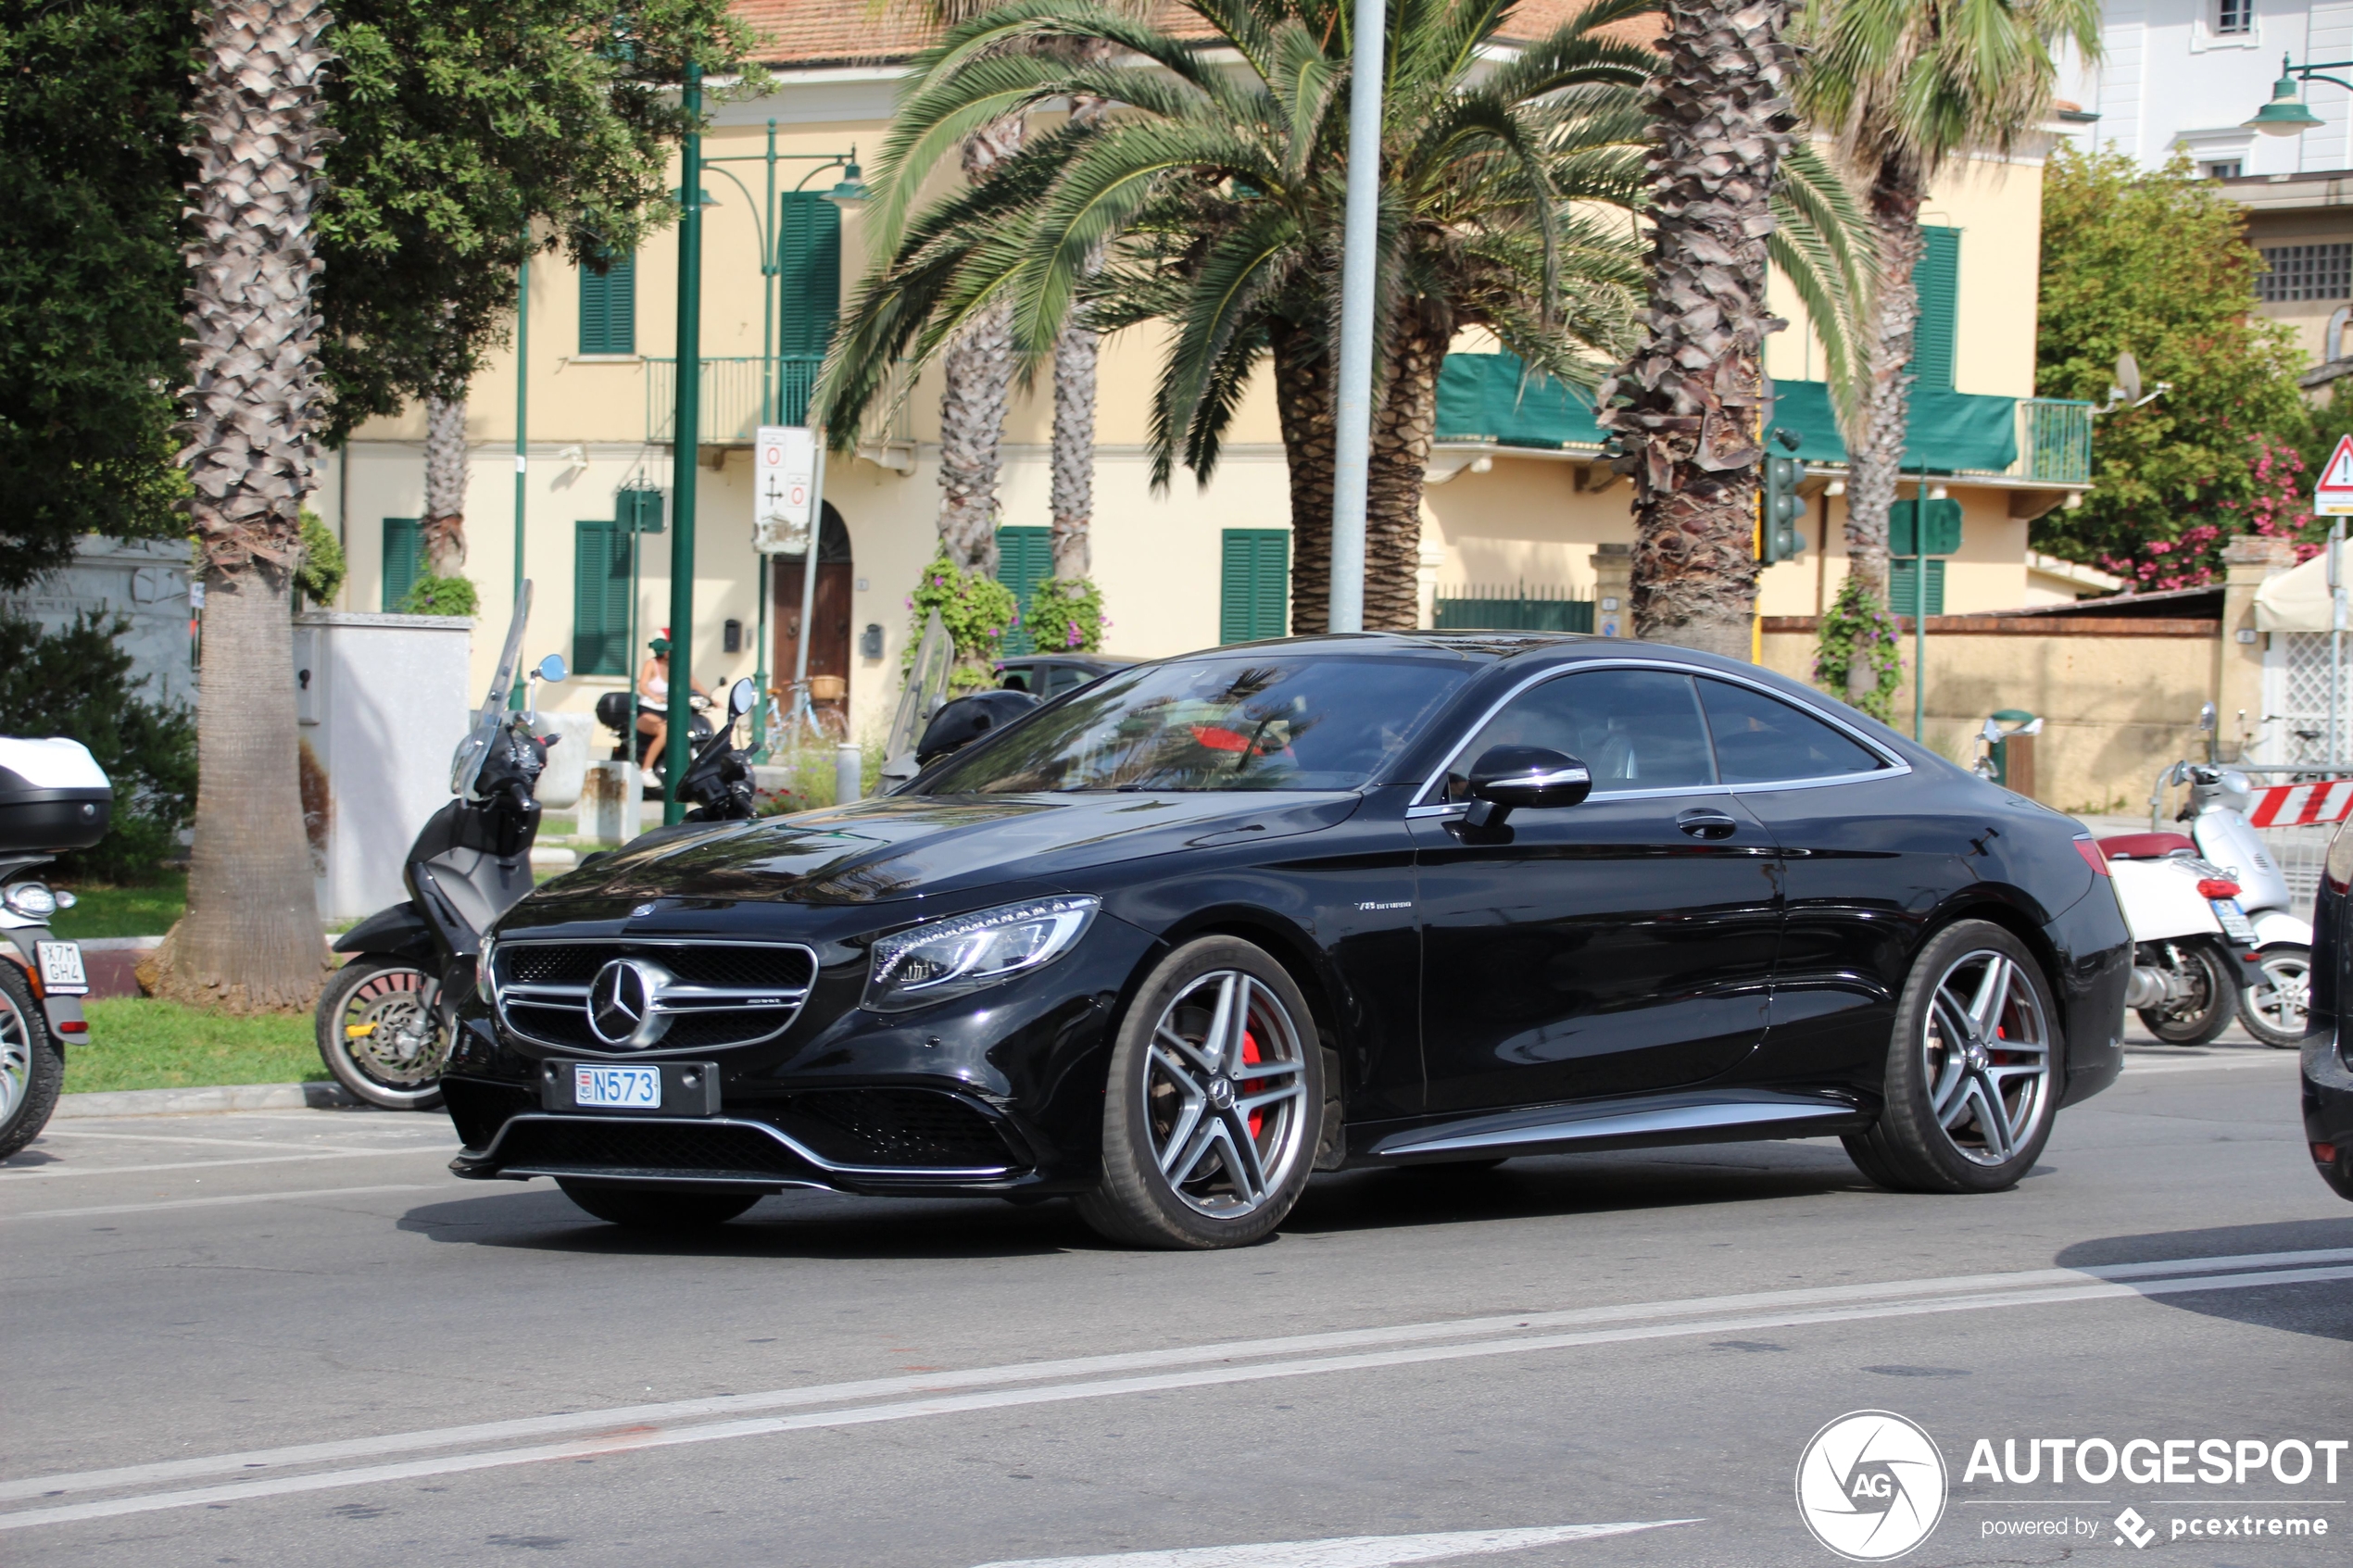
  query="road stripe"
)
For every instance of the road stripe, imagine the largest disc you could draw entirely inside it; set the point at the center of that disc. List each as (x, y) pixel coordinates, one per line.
(675, 1410)
(1351, 1551)
(106, 1209)
(629, 1429)
(12, 1173)
(313, 1145)
(2284, 1060)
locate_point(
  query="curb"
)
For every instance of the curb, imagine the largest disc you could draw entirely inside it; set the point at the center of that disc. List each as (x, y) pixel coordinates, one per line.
(219, 1097)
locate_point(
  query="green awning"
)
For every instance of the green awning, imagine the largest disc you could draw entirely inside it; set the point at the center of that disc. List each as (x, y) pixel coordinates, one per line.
(1480, 398)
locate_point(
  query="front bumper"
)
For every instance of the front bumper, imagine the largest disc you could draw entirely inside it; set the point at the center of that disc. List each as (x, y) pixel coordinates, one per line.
(2328, 1109)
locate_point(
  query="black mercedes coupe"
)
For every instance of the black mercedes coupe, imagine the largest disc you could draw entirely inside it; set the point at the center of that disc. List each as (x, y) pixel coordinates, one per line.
(1172, 942)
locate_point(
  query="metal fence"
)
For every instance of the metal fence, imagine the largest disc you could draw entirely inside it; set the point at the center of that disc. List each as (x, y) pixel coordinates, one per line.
(736, 392)
(2054, 440)
(1520, 607)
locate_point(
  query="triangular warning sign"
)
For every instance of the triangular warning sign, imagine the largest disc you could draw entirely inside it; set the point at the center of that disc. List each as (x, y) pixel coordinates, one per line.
(2332, 497)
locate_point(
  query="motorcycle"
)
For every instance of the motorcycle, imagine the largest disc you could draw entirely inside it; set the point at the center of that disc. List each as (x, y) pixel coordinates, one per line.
(619, 711)
(382, 1027)
(54, 797)
(2272, 1002)
(2187, 962)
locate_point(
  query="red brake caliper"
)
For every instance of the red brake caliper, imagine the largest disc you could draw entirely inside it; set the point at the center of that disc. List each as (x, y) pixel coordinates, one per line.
(1252, 1085)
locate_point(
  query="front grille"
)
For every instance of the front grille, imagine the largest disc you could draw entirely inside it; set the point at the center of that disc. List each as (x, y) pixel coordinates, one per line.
(904, 1127)
(618, 1145)
(478, 1110)
(718, 994)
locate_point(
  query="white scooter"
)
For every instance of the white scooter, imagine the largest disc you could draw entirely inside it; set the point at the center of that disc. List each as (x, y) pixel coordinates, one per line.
(2187, 963)
(2278, 981)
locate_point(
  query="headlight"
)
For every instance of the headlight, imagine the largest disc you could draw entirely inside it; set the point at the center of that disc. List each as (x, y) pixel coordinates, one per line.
(30, 899)
(484, 987)
(954, 958)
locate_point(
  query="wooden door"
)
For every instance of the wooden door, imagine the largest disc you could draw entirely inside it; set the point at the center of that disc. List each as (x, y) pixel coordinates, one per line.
(828, 633)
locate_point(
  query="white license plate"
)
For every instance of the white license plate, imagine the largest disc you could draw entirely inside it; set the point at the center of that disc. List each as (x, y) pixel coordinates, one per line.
(61, 966)
(2234, 922)
(624, 1089)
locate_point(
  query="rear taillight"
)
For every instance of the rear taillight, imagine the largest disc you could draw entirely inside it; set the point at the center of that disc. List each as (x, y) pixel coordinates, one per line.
(73, 1026)
(2215, 887)
(2092, 856)
(2325, 1154)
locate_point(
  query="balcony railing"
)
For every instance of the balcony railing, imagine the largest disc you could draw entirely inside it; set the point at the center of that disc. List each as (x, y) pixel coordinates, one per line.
(2054, 440)
(735, 392)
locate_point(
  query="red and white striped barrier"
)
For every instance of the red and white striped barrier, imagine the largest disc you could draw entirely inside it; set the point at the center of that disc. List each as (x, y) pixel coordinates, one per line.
(2287, 806)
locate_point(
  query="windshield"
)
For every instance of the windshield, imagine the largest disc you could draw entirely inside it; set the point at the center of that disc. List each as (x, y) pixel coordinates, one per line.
(1264, 722)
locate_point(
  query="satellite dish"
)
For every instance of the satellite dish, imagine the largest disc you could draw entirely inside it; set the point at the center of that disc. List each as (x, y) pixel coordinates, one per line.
(2128, 376)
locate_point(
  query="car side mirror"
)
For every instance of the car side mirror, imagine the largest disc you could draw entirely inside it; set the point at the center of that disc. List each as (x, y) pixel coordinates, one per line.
(1510, 778)
(741, 697)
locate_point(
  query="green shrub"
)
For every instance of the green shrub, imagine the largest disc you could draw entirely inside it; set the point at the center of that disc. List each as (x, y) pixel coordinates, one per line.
(441, 596)
(323, 567)
(1857, 627)
(976, 610)
(1066, 616)
(76, 683)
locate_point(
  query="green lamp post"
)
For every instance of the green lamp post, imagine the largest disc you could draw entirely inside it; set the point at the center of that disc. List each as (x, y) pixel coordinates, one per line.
(2287, 114)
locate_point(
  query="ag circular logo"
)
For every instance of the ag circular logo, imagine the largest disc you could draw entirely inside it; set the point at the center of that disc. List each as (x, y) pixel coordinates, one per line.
(622, 1003)
(1870, 1485)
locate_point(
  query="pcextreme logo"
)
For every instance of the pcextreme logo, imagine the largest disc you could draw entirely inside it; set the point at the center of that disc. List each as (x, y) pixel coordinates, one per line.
(1870, 1485)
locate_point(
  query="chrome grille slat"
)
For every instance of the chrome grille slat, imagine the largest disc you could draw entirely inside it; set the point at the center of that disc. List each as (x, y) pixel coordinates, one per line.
(543, 991)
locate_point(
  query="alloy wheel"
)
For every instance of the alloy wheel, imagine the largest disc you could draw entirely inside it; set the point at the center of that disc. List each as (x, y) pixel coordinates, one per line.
(16, 1057)
(2283, 994)
(389, 1030)
(1225, 1095)
(1986, 1051)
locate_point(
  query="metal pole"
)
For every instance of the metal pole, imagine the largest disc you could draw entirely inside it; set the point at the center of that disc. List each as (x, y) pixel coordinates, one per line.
(2337, 642)
(1920, 603)
(759, 671)
(771, 252)
(523, 404)
(809, 580)
(685, 438)
(1353, 425)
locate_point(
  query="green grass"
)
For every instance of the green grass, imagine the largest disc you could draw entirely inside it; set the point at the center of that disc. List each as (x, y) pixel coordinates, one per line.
(123, 911)
(142, 1043)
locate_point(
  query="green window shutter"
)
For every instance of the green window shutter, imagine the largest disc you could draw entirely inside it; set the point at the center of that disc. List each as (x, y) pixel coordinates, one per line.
(1903, 594)
(403, 548)
(809, 286)
(609, 309)
(600, 598)
(1937, 279)
(1024, 559)
(1254, 584)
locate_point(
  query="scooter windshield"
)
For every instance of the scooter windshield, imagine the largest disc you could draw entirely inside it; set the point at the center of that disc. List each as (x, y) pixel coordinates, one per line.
(465, 765)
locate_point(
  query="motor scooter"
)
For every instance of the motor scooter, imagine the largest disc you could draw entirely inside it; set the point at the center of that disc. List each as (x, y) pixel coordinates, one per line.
(54, 797)
(383, 1025)
(2272, 1001)
(618, 711)
(2192, 947)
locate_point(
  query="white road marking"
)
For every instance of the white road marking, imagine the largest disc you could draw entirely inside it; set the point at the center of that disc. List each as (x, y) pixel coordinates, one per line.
(46, 1173)
(212, 1143)
(211, 1202)
(621, 1434)
(1351, 1551)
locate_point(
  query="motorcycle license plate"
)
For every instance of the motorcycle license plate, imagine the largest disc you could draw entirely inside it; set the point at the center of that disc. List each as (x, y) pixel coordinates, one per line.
(2234, 922)
(61, 966)
(617, 1088)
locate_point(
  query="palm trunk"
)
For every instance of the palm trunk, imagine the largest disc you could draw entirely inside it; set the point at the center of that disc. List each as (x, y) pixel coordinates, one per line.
(1402, 434)
(977, 373)
(444, 528)
(251, 938)
(1875, 461)
(1693, 391)
(1076, 353)
(1304, 401)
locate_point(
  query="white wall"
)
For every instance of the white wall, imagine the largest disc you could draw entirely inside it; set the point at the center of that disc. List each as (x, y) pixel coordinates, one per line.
(2168, 79)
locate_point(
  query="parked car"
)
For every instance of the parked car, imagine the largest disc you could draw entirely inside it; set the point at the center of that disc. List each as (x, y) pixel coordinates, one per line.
(2328, 1071)
(1047, 675)
(1169, 943)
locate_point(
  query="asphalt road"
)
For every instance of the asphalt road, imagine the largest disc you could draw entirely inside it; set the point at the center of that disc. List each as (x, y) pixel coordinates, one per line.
(292, 1338)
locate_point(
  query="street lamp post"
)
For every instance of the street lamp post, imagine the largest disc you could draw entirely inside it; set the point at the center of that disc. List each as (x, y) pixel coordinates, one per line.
(1353, 405)
(2286, 113)
(685, 438)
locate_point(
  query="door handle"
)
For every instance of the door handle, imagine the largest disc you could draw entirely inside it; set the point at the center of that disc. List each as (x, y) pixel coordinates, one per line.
(1706, 822)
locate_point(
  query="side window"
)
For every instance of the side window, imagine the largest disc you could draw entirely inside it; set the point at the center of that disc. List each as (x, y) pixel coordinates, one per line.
(1636, 729)
(1763, 740)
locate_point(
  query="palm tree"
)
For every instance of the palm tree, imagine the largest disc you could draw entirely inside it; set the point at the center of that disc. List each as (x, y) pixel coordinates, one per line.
(442, 531)
(1510, 194)
(1730, 192)
(1907, 85)
(250, 938)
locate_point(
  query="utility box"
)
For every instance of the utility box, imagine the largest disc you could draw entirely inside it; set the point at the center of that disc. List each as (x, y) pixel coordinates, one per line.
(382, 702)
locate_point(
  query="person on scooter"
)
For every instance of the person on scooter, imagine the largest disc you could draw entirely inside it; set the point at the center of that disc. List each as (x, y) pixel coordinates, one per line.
(653, 697)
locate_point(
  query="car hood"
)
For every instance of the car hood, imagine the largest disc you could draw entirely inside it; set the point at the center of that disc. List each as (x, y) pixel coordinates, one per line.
(896, 847)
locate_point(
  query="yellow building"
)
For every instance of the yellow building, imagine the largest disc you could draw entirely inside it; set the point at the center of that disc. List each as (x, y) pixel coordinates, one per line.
(1517, 505)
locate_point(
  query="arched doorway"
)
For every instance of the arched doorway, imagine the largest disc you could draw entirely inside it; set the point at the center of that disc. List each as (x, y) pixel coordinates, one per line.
(828, 631)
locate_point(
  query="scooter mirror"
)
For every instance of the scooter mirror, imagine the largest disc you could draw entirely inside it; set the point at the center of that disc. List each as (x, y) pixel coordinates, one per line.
(741, 697)
(2206, 720)
(553, 668)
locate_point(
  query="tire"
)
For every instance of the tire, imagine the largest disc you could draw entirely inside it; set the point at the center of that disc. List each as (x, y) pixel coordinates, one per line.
(1972, 1082)
(32, 1064)
(2273, 1009)
(1216, 1062)
(660, 1208)
(395, 1063)
(2200, 1017)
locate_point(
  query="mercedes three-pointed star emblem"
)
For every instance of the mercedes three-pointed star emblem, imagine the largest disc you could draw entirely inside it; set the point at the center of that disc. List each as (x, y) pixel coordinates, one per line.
(624, 1003)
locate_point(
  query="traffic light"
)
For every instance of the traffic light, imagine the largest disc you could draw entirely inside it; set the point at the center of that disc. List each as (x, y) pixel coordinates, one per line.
(1784, 510)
